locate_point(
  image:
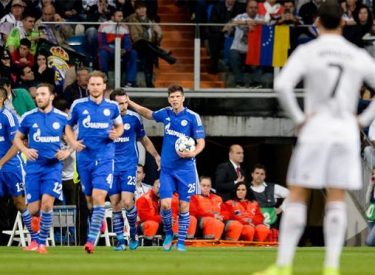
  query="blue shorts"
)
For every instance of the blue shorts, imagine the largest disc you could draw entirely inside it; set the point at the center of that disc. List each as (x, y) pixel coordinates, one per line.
(12, 183)
(96, 174)
(123, 182)
(44, 181)
(184, 181)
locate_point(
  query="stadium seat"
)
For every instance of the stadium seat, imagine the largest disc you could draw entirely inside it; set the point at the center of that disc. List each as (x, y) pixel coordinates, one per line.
(64, 219)
(18, 233)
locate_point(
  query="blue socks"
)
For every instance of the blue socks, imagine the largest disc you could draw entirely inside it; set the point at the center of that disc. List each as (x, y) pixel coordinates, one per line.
(166, 216)
(118, 226)
(26, 217)
(96, 222)
(183, 225)
(45, 225)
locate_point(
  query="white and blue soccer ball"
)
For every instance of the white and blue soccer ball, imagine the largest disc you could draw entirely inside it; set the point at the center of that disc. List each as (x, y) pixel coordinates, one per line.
(185, 144)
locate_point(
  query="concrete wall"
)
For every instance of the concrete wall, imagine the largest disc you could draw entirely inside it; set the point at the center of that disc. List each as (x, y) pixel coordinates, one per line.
(236, 126)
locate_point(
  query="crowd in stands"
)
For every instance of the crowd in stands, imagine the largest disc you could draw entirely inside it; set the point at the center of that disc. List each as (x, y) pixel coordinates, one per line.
(227, 43)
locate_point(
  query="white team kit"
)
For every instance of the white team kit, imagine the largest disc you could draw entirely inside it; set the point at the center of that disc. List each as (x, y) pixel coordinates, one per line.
(328, 148)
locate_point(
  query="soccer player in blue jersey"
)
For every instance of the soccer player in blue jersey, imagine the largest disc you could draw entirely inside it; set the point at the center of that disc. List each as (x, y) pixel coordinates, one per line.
(126, 160)
(43, 127)
(99, 123)
(178, 170)
(11, 166)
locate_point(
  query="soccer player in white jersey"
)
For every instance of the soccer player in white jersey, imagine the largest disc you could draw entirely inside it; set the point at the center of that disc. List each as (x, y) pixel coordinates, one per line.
(178, 170)
(327, 153)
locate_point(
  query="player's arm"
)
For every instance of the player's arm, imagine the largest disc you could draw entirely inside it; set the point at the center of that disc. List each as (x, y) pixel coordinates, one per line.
(143, 111)
(149, 146)
(117, 130)
(367, 116)
(9, 154)
(71, 139)
(284, 85)
(31, 154)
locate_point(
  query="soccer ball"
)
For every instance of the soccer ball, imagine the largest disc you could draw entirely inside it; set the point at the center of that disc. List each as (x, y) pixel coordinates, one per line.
(184, 144)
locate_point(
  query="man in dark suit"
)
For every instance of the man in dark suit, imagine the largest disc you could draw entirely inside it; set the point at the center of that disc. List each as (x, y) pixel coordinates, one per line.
(229, 173)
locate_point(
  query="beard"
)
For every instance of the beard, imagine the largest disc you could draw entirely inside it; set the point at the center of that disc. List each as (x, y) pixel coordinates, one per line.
(43, 106)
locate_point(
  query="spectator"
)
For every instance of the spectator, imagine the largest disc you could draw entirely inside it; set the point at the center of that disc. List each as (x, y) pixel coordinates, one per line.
(6, 68)
(78, 89)
(57, 33)
(42, 72)
(19, 100)
(22, 56)
(15, 15)
(248, 213)
(309, 11)
(148, 207)
(5, 29)
(243, 23)
(266, 194)
(207, 208)
(143, 36)
(141, 188)
(349, 7)
(26, 80)
(106, 39)
(270, 11)
(289, 16)
(221, 13)
(5, 6)
(229, 173)
(69, 10)
(25, 31)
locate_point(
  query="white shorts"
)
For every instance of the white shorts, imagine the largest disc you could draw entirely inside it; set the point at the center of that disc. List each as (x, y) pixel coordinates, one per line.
(318, 165)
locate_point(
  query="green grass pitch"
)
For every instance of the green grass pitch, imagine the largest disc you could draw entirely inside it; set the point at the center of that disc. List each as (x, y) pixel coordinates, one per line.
(153, 260)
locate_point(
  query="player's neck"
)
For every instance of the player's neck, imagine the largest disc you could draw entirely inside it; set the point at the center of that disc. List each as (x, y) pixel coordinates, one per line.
(47, 109)
(178, 110)
(97, 100)
(324, 31)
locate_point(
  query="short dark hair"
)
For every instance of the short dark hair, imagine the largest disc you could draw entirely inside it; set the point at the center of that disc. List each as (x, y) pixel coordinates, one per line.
(25, 42)
(139, 4)
(330, 14)
(28, 14)
(259, 166)
(117, 92)
(50, 87)
(5, 81)
(175, 88)
(204, 178)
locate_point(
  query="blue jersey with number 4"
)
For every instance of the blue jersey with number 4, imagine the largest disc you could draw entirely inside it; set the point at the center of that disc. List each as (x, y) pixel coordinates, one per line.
(185, 123)
(94, 122)
(126, 154)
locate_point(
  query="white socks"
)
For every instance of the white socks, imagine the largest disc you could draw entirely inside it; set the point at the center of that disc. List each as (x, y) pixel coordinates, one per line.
(292, 226)
(335, 222)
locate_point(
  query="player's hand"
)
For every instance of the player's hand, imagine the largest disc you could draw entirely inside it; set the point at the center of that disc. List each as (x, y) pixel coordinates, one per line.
(157, 160)
(31, 154)
(186, 154)
(113, 134)
(62, 154)
(78, 145)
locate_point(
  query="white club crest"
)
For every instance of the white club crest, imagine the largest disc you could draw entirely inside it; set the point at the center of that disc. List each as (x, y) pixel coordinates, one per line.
(56, 125)
(184, 122)
(127, 126)
(106, 112)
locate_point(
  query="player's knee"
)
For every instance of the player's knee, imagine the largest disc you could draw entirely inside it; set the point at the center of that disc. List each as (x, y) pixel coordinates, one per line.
(19, 203)
(165, 204)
